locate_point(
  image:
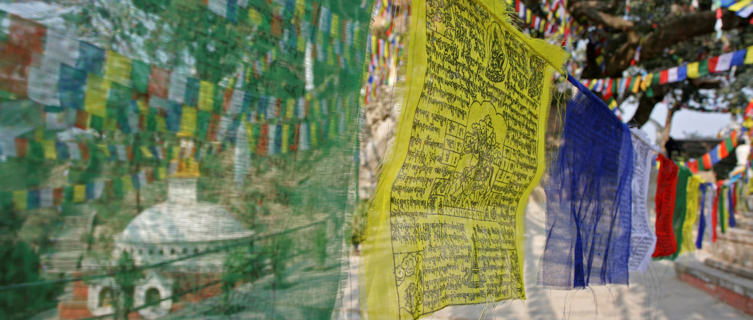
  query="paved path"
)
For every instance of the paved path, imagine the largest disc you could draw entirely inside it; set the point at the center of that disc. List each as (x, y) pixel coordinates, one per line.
(656, 294)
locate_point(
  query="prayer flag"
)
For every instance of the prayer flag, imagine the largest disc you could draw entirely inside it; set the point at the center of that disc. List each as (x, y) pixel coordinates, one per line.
(642, 237)
(691, 214)
(731, 202)
(664, 76)
(749, 55)
(79, 193)
(636, 84)
(702, 218)
(585, 246)
(723, 63)
(19, 200)
(678, 219)
(666, 190)
(390, 254)
(682, 72)
(118, 68)
(738, 58)
(672, 75)
(97, 89)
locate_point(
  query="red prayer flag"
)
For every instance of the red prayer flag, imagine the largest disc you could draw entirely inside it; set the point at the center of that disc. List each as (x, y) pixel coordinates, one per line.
(262, 147)
(706, 161)
(57, 196)
(22, 147)
(159, 82)
(84, 150)
(749, 110)
(723, 153)
(664, 77)
(82, 120)
(712, 64)
(693, 165)
(13, 76)
(227, 97)
(26, 34)
(608, 91)
(666, 189)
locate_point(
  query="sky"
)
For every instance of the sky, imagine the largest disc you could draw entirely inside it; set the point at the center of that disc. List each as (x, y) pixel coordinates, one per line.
(685, 122)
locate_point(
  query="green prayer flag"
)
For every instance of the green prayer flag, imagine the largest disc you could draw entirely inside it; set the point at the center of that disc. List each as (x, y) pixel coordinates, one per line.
(140, 75)
(678, 218)
(703, 68)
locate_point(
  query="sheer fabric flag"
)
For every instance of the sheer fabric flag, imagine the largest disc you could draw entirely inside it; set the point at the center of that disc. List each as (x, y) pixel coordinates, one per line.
(666, 189)
(723, 208)
(642, 237)
(731, 203)
(716, 213)
(588, 217)
(268, 246)
(681, 202)
(702, 221)
(691, 214)
(468, 152)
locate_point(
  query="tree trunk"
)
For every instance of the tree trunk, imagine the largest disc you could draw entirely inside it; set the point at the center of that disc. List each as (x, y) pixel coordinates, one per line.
(667, 128)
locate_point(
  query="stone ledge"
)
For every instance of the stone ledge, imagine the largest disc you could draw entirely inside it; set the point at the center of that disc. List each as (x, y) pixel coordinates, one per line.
(728, 267)
(731, 289)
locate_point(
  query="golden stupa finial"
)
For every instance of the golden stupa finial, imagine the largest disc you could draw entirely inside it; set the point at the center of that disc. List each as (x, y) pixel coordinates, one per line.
(187, 166)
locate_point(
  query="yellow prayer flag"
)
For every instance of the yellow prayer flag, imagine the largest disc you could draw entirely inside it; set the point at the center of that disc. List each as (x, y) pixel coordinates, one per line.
(146, 152)
(300, 8)
(19, 200)
(50, 152)
(285, 138)
(188, 121)
(206, 96)
(118, 68)
(432, 234)
(95, 101)
(142, 104)
(161, 173)
(636, 84)
(290, 108)
(749, 55)
(313, 135)
(334, 26)
(691, 214)
(127, 183)
(161, 124)
(693, 70)
(79, 193)
(301, 43)
(646, 83)
(739, 5)
(255, 17)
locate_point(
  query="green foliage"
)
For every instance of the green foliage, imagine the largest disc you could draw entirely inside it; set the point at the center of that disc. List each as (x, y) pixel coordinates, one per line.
(20, 264)
(282, 250)
(358, 234)
(126, 277)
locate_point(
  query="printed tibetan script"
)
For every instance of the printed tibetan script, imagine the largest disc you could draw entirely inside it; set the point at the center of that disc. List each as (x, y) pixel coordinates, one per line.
(470, 149)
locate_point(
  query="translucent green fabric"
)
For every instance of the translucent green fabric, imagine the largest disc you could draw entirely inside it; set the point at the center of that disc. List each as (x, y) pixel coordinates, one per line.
(177, 159)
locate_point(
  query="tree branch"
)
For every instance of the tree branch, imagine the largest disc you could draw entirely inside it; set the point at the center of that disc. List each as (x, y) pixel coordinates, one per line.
(596, 12)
